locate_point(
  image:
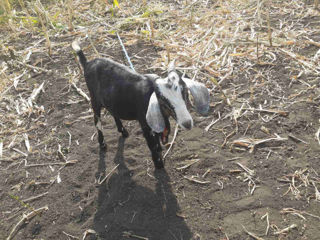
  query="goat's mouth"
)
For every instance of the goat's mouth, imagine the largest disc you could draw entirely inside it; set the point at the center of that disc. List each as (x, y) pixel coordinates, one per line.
(168, 110)
(165, 136)
(166, 107)
(170, 113)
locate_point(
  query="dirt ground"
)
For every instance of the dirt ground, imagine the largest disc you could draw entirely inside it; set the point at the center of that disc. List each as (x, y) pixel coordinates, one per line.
(214, 185)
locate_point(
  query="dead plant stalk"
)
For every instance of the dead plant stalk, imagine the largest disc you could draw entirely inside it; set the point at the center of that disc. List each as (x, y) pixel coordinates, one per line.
(41, 16)
(70, 14)
(25, 218)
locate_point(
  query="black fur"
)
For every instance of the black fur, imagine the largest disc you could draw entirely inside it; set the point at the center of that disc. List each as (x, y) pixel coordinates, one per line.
(125, 94)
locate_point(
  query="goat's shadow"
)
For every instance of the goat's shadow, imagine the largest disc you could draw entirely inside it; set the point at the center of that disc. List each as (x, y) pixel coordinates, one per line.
(125, 208)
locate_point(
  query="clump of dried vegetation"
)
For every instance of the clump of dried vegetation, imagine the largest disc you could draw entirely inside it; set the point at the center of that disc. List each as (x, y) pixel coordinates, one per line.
(213, 41)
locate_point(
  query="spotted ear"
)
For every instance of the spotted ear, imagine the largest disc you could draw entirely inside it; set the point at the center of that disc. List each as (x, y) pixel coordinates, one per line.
(154, 116)
(200, 95)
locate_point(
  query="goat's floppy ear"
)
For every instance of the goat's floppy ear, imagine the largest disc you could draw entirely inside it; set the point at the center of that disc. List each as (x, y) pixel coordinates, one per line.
(200, 95)
(154, 116)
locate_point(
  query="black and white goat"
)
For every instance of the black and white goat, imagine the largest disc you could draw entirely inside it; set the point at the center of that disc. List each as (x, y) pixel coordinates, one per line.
(147, 98)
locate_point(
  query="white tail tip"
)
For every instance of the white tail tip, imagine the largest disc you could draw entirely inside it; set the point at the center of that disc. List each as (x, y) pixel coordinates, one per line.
(75, 46)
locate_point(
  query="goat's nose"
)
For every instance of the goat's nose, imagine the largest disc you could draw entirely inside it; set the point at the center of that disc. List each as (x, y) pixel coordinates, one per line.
(187, 124)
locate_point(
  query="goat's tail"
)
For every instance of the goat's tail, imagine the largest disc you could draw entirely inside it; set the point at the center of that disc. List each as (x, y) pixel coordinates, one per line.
(77, 49)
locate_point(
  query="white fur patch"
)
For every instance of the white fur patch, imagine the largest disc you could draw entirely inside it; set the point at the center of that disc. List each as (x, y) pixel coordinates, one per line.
(98, 125)
(75, 46)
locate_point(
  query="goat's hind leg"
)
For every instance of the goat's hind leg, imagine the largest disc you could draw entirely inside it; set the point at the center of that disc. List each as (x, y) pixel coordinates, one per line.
(120, 127)
(97, 123)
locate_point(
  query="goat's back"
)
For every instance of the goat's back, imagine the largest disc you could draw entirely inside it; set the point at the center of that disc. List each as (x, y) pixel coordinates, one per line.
(123, 92)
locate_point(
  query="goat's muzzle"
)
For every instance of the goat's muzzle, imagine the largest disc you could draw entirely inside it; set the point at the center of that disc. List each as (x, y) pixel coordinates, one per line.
(187, 124)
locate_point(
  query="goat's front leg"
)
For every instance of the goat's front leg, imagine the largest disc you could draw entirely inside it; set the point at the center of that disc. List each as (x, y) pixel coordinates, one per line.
(120, 127)
(153, 144)
(97, 123)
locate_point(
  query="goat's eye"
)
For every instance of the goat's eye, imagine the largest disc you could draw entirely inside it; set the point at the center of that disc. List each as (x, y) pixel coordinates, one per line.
(175, 88)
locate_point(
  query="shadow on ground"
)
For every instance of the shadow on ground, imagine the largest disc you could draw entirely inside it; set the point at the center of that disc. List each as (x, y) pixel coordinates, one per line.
(126, 208)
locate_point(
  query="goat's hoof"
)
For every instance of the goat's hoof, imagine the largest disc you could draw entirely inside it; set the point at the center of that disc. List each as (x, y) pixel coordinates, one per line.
(125, 133)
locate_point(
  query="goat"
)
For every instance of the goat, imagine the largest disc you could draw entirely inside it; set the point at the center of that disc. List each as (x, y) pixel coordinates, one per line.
(147, 98)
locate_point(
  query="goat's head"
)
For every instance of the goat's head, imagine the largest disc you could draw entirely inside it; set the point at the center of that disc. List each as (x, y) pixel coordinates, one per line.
(171, 99)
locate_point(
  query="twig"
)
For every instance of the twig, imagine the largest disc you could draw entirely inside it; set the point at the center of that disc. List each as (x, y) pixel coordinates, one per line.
(26, 141)
(252, 143)
(311, 67)
(33, 67)
(190, 162)
(88, 231)
(269, 28)
(297, 139)
(129, 234)
(236, 113)
(310, 41)
(249, 171)
(1, 149)
(27, 217)
(70, 137)
(172, 142)
(206, 173)
(227, 238)
(36, 92)
(82, 93)
(293, 212)
(235, 158)
(248, 178)
(297, 212)
(227, 137)
(49, 164)
(287, 229)
(311, 215)
(257, 45)
(268, 224)
(19, 151)
(251, 234)
(35, 197)
(212, 123)
(14, 84)
(69, 235)
(317, 193)
(60, 154)
(100, 182)
(280, 112)
(318, 135)
(192, 179)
